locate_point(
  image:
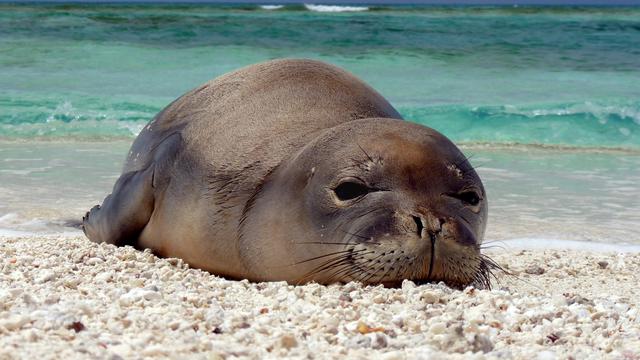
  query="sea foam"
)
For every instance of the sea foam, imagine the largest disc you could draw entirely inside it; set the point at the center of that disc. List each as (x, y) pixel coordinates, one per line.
(12, 224)
(559, 244)
(334, 8)
(271, 7)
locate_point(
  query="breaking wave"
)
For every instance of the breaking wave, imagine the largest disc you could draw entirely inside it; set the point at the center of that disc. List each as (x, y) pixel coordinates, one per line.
(335, 8)
(271, 7)
(587, 124)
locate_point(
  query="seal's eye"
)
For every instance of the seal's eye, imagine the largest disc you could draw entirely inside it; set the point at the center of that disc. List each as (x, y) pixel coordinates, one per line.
(349, 190)
(469, 197)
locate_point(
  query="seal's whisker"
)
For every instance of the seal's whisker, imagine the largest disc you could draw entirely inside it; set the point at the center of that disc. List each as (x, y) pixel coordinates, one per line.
(486, 271)
(338, 260)
(322, 256)
(501, 269)
(464, 158)
(471, 166)
(359, 163)
(333, 273)
(322, 243)
(332, 262)
(400, 268)
(466, 220)
(368, 212)
(483, 276)
(383, 265)
(355, 235)
(492, 265)
(350, 256)
(482, 247)
(343, 252)
(381, 278)
(365, 153)
(352, 237)
(345, 271)
(357, 268)
(369, 272)
(493, 241)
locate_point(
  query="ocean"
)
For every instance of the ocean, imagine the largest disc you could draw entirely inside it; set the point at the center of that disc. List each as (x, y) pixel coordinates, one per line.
(544, 100)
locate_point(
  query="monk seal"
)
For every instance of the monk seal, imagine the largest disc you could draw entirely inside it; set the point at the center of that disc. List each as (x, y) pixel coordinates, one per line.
(296, 170)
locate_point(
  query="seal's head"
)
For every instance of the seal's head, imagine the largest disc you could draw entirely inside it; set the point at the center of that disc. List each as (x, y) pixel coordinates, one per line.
(373, 200)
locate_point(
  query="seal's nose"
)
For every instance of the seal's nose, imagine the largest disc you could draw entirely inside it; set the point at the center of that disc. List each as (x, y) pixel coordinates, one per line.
(428, 225)
(419, 224)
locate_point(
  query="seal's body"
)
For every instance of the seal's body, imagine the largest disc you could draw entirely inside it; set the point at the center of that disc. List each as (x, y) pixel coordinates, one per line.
(296, 170)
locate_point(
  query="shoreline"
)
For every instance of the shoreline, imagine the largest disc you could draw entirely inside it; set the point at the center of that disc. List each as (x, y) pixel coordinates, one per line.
(500, 146)
(69, 297)
(506, 245)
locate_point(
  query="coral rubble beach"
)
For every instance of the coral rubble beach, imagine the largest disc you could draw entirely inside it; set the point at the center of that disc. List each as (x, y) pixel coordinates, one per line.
(63, 297)
(542, 99)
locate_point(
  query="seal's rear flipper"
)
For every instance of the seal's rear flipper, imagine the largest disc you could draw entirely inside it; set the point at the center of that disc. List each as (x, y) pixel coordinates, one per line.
(72, 223)
(125, 212)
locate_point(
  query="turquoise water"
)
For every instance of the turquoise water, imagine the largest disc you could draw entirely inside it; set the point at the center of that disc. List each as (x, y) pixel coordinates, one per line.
(545, 100)
(531, 75)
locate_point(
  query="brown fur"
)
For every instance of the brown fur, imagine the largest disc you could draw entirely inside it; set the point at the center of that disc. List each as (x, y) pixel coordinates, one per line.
(237, 175)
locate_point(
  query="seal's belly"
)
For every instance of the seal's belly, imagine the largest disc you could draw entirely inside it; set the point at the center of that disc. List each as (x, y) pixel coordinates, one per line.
(181, 228)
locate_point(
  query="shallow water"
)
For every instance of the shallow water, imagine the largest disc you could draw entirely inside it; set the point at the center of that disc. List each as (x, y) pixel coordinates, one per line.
(546, 100)
(536, 194)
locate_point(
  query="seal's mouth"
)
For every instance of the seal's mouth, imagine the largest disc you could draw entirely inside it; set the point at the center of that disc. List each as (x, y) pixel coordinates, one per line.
(432, 258)
(481, 279)
(391, 262)
(477, 270)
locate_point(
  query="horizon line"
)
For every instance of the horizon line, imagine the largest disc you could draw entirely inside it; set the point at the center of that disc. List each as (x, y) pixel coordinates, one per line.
(596, 3)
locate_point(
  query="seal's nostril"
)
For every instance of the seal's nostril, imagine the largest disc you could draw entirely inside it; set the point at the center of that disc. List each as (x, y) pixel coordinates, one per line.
(419, 225)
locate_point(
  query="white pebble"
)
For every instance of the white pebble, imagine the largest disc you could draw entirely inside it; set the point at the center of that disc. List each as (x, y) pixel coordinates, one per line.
(429, 297)
(438, 328)
(44, 276)
(546, 355)
(14, 322)
(378, 340)
(94, 261)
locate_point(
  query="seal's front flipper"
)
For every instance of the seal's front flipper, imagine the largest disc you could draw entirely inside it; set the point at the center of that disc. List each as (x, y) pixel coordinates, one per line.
(125, 212)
